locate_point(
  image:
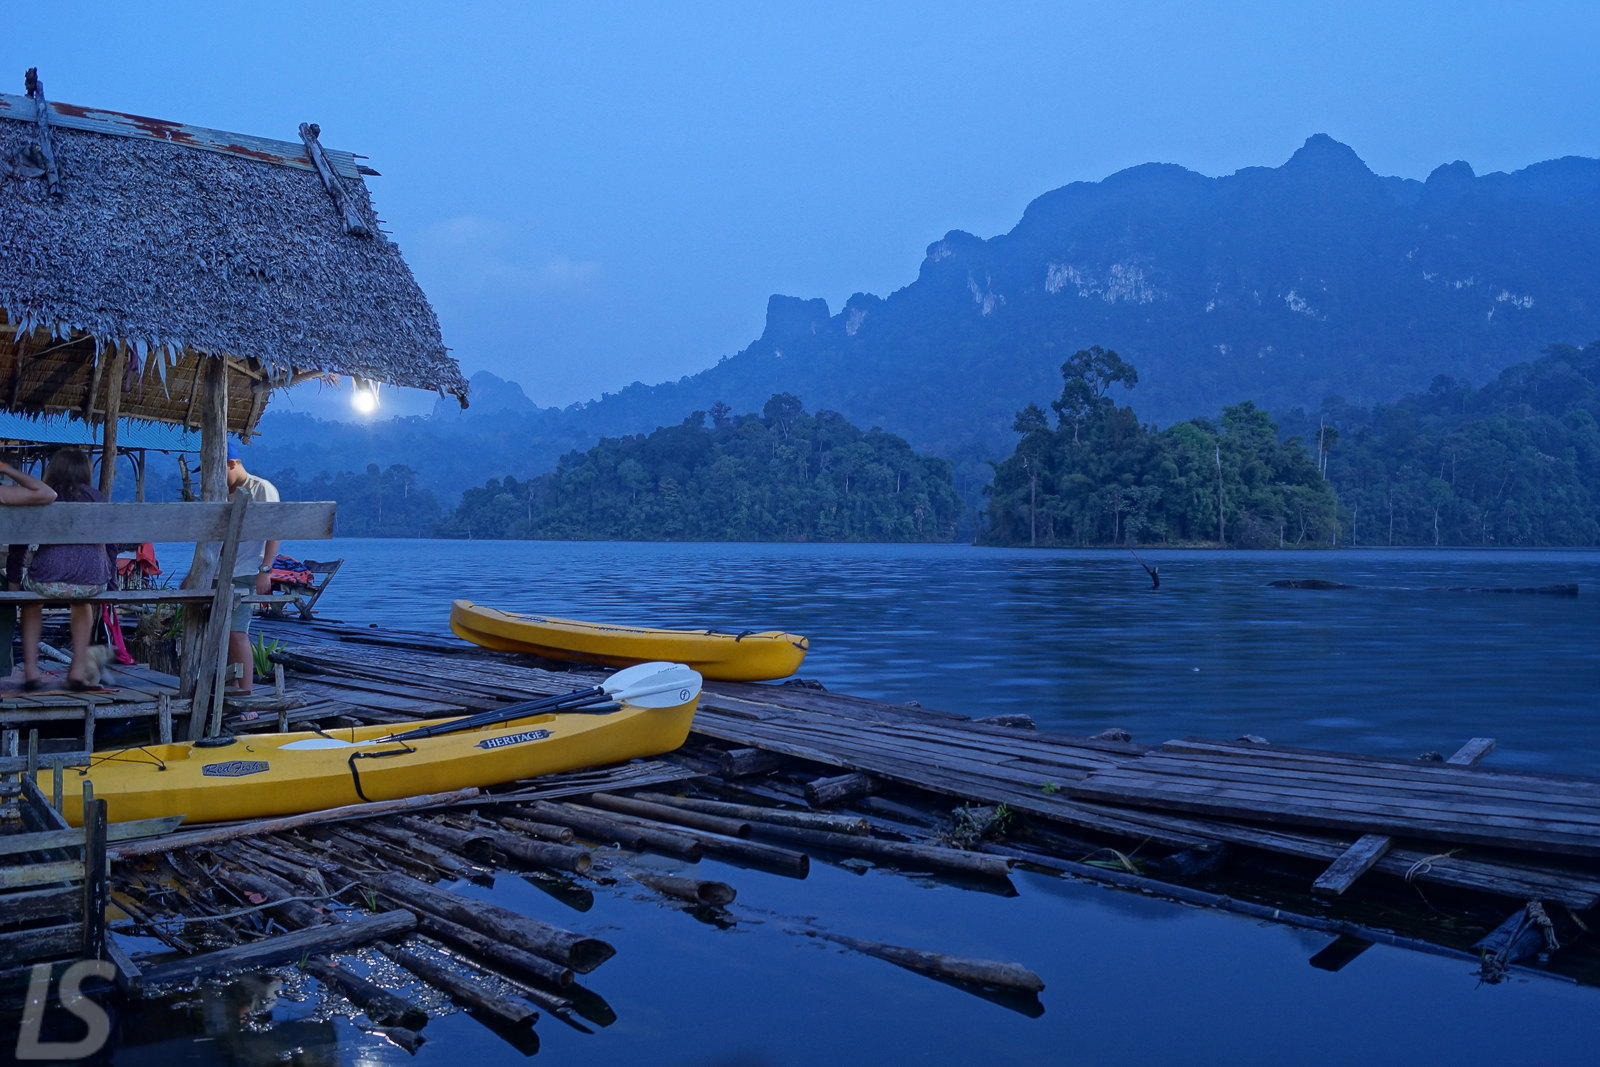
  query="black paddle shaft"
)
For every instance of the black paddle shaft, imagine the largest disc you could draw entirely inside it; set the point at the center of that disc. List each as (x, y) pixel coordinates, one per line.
(505, 714)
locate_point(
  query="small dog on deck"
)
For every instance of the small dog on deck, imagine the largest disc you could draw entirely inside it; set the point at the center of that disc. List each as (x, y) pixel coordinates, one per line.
(94, 664)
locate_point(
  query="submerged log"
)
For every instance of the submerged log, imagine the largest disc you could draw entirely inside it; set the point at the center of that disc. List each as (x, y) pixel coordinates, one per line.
(289, 948)
(809, 820)
(717, 824)
(582, 954)
(460, 988)
(983, 972)
(694, 890)
(827, 792)
(382, 1007)
(895, 852)
(258, 890)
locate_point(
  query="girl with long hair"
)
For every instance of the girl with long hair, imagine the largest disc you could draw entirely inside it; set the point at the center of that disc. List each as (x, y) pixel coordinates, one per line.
(65, 572)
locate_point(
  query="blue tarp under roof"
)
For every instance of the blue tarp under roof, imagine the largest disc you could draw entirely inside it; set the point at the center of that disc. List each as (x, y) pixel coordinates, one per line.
(61, 430)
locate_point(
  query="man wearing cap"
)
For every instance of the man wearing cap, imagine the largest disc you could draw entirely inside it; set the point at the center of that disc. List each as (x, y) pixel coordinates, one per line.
(252, 571)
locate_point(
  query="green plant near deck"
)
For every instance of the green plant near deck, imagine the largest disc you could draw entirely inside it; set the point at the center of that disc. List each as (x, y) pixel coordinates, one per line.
(261, 651)
(1049, 789)
(1122, 861)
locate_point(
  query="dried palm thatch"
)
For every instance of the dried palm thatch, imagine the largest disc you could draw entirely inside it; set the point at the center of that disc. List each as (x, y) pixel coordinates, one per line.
(167, 244)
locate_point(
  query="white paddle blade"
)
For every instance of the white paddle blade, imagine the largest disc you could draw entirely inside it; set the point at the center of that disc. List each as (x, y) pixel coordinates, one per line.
(668, 689)
(312, 743)
(629, 676)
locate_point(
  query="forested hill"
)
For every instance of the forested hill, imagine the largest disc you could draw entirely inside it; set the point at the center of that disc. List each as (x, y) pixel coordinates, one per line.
(1515, 462)
(784, 475)
(1284, 284)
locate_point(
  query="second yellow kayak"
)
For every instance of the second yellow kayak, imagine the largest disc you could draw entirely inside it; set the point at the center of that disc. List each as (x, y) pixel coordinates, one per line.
(746, 657)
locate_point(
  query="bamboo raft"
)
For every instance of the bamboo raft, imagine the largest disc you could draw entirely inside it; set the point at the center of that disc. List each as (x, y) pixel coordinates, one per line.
(777, 777)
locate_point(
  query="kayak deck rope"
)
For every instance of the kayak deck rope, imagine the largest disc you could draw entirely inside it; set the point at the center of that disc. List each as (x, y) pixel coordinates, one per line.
(355, 775)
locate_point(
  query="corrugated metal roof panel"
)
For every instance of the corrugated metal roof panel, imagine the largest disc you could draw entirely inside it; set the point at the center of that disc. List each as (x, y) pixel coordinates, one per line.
(117, 124)
(60, 430)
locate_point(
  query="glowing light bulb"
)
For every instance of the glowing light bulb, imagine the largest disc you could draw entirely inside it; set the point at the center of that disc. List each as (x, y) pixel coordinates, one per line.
(365, 399)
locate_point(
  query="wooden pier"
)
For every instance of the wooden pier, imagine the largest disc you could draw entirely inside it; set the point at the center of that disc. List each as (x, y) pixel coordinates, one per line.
(1444, 856)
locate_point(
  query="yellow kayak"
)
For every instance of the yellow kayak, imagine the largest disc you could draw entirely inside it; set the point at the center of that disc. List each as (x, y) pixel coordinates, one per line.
(746, 657)
(263, 775)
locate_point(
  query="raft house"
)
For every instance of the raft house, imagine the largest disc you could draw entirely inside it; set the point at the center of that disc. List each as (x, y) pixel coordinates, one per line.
(1441, 854)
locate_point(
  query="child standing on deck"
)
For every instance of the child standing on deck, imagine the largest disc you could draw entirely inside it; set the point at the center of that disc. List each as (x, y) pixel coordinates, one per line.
(66, 572)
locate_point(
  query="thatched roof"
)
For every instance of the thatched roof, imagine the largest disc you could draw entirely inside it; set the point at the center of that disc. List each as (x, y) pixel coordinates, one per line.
(179, 242)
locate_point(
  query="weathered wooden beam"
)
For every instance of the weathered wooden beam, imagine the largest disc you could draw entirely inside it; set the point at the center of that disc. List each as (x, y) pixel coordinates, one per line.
(41, 118)
(839, 824)
(115, 376)
(917, 857)
(96, 882)
(213, 834)
(209, 678)
(1357, 860)
(28, 946)
(40, 873)
(1368, 849)
(90, 524)
(118, 831)
(289, 948)
(309, 132)
(42, 904)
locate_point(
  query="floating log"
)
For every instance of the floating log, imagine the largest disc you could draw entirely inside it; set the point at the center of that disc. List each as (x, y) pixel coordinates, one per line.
(982, 972)
(716, 824)
(582, 954)
(460, 988)
(605, 827)
(894, 852)
(441, 858)
(485, 947)
(540, 853)
(286, 948)
(809, 820)
(827, 792)
(382, 1007)
(745, 762)
(129, 849)
(470, 843)
(259, 890)
(694, 890)
(781, 859)
(544, 831)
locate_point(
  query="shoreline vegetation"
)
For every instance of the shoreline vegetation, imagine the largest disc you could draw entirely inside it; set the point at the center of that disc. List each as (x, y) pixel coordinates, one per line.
(1514, 463)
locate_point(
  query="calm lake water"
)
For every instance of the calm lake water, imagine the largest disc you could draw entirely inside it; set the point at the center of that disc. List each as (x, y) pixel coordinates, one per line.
(1079, 641)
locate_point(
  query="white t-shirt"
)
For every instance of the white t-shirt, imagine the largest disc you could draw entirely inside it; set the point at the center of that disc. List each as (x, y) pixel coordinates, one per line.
(250, 559)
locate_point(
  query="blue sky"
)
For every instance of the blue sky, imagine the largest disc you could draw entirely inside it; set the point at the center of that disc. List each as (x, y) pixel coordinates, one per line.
(603, 193)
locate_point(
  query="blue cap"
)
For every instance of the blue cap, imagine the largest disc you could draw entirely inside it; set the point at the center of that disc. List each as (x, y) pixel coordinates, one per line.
(233, 450)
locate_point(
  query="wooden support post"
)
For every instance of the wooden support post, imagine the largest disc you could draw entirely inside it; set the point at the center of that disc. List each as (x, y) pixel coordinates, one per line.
(220, 678)
(94, 875)
(138, 474)
(213, 640)
(213, 396)
(88, 728)
(164, 720)
(58, 771)
(1360, 857)
(113, 405)
(33, 753)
